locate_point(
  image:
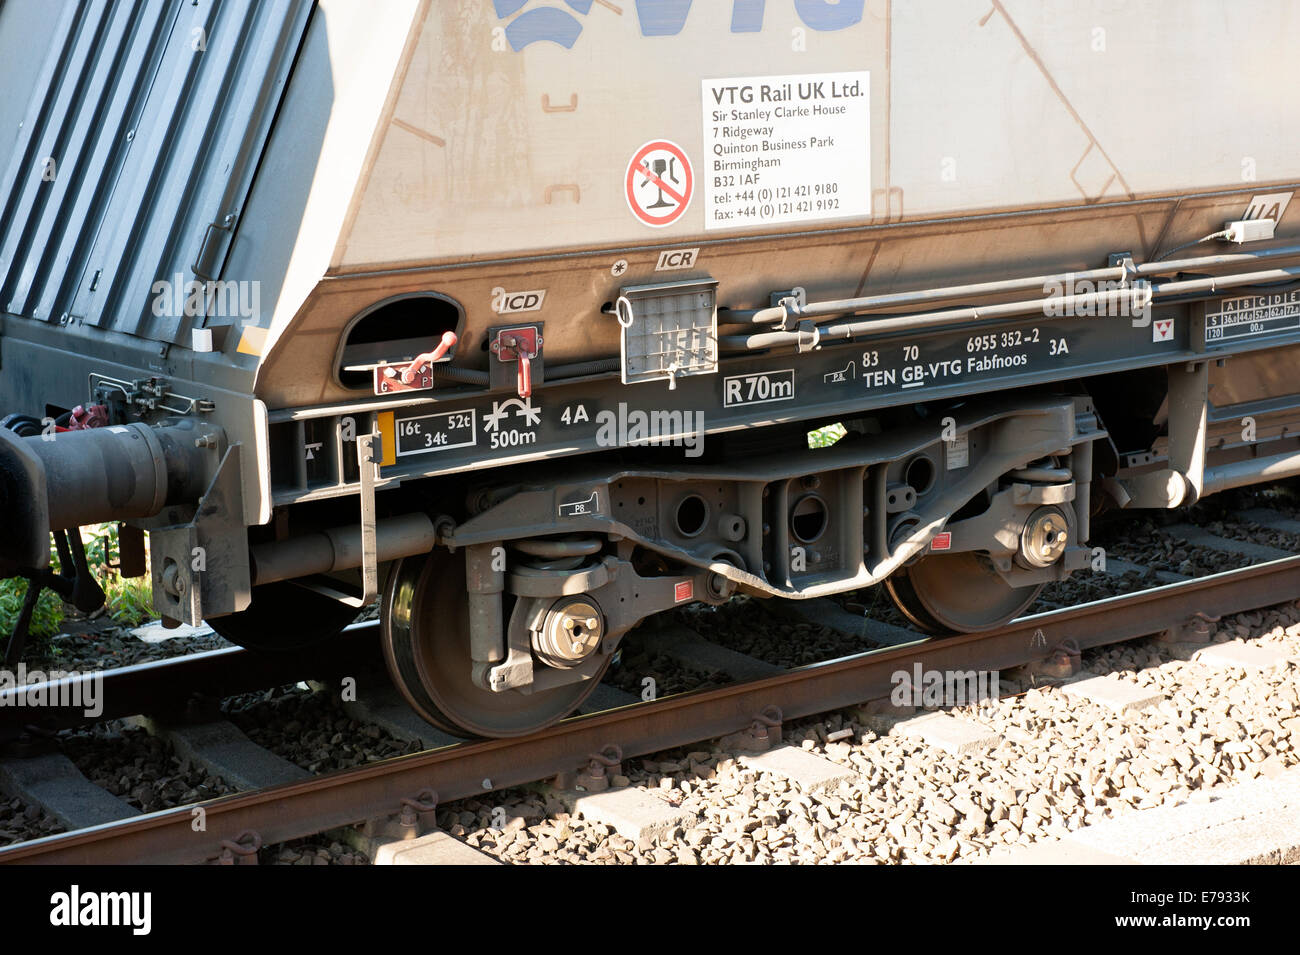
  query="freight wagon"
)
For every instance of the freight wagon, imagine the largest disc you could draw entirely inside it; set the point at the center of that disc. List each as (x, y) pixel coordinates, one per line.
(515, 315)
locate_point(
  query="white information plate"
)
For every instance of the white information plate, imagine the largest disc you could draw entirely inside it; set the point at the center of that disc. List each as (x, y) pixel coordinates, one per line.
(786, 149)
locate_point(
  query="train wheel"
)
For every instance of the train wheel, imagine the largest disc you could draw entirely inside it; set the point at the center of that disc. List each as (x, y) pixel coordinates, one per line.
(285, 617)
(956, 593)
(426, 646)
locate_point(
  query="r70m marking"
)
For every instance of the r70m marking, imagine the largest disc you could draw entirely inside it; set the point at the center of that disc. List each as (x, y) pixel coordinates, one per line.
(759, 388)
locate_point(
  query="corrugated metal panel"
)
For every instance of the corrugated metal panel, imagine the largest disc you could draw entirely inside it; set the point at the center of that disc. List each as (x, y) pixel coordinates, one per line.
(154, 115)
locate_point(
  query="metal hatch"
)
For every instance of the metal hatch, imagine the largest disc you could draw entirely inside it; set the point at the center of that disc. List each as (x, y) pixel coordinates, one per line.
(669, 330)
(154, 117)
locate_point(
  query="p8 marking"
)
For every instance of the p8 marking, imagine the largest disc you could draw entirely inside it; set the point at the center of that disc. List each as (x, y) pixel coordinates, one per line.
(581, 508)
(758, 389)
(436, 432)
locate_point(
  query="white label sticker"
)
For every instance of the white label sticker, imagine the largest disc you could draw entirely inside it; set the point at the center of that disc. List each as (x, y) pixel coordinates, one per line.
(674, 259)
(786, 149)
(1162, 330)
(503, 302)
(958, 455)
(1267, 206)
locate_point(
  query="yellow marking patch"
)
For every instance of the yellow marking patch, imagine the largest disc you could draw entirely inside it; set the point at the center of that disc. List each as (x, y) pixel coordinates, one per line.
(252, 341)
(388, 439)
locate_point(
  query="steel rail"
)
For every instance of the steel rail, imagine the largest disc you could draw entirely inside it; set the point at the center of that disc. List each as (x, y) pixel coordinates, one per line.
(160, 686)
(306, 808)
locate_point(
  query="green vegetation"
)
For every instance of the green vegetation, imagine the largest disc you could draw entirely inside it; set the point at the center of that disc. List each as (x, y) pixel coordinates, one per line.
(825, 437)
(128, 601)
(45, 621)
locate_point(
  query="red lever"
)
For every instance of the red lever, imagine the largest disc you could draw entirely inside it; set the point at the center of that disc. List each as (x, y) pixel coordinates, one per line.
(525, 375)
(447, 343)
(519, 345)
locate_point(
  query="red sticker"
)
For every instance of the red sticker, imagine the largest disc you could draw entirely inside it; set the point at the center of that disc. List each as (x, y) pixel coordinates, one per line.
(684, 591)
(659, 183)
(942, 541)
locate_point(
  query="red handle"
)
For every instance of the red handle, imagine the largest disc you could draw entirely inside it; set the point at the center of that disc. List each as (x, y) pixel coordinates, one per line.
(525, 376)
(447, 343)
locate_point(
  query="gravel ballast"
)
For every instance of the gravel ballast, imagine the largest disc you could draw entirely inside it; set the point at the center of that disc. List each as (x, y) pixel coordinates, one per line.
(1061, 764)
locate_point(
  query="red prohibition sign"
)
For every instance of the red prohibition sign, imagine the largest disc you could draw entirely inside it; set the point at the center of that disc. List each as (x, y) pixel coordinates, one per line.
(659, 183)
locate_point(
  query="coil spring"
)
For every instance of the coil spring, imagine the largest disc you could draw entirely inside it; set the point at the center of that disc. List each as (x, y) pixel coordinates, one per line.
(546, 555)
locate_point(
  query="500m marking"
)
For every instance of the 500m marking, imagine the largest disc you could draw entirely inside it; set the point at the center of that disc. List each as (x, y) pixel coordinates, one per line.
(513, 439)
(436, 432)
(758, 389)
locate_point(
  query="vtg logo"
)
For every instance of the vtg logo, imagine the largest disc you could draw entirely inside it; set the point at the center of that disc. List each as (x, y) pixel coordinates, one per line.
(554, 24)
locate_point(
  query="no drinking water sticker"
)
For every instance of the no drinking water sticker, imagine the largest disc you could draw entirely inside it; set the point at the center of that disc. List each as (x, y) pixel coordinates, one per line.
(659, 183)
(786, 149)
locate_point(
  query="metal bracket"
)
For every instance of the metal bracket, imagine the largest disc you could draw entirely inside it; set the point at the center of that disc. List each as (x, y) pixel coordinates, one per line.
(1198, 628)
(219, 583)
(810, 336)
(218, 515)
(1064, 660)
(368, 469)
(368, 473)
(417, 815)
(792, 303)
(516, 671)
(176, 592)
(414, 818)
(764, 732)
(242, 850)
(1123, 260)
(595, 776)
(1188, 402)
